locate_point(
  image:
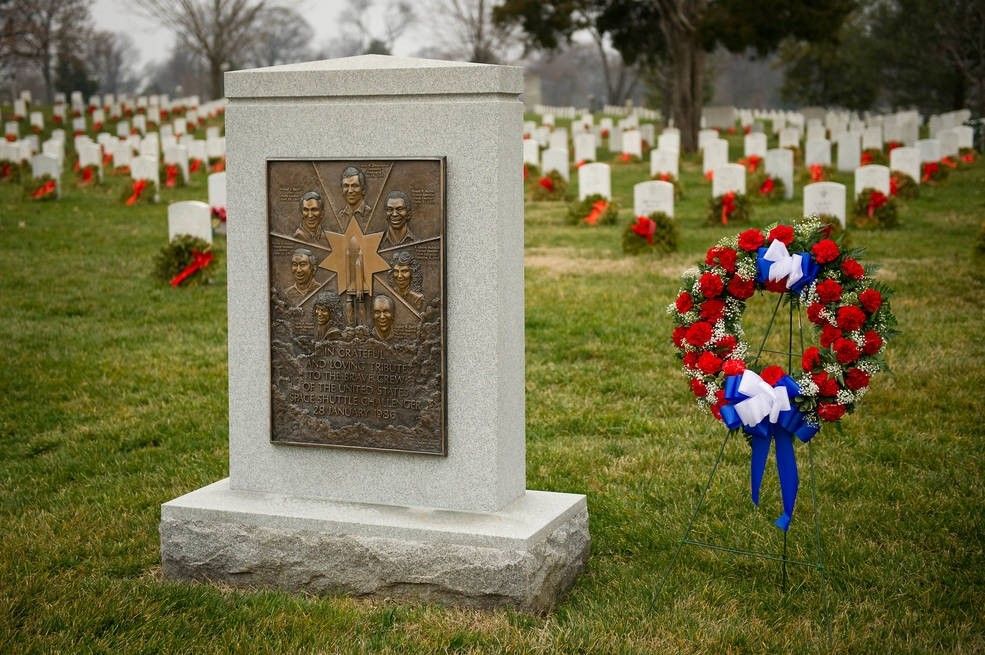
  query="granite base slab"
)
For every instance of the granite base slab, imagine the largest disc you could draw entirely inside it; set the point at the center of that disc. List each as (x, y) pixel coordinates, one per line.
(525, 556)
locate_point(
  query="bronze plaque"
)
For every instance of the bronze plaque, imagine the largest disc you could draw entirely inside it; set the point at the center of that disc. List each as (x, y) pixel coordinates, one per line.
(357, 303)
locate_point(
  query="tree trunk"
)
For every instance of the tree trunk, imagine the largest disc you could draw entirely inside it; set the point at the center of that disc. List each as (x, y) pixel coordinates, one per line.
(688, 61)
(215, 78)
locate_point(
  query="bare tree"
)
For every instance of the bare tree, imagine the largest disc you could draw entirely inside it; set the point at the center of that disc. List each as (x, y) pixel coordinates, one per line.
(32, 30)
(222, 31)
(395, 17)
(110, 57)
(283, 37)
(464, 29)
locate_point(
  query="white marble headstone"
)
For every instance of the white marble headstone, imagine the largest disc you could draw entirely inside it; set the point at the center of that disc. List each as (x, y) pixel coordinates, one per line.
(145, 168)
(653, 196)
(754, 144)
(594, 178)
(669, 140)
(818, 151)
(632, 143)
(664, 161)
(966, 136)
(949, 142)
(559, 139)
(930, 150)
(531, 152)
(585, 147)
(872, 176)
(556, 159)
(728, 177)
(790, 137)
(779, 164)
(196, 149)
(121, 154)
(849, 152)
(715, 154)
(542, 135)
(906, 160)
(90, 154)
(217, 190)
(872, 137)
(705, 137)
(825, 198)
(191, 217)
(178, 155)
(123, 129)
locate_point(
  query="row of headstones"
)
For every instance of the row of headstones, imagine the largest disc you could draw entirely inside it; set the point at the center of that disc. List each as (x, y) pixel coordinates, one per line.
(116, 107)
(613, 110)
(626, 136)
(658, 196)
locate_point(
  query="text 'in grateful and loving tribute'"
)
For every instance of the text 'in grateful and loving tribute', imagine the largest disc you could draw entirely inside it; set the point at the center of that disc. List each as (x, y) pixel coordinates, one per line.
(356, 253)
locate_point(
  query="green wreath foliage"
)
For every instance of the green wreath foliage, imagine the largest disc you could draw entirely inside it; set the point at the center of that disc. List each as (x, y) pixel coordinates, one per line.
(664, 239)
(175, 256)
(906, 187)
(560, 188)
(886, 216)
(577, 211)
(11, 171)
(740, 214)
(874, 156)
(146, 196)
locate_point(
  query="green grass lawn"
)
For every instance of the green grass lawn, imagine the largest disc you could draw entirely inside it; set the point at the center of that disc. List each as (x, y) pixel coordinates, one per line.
(114, 401)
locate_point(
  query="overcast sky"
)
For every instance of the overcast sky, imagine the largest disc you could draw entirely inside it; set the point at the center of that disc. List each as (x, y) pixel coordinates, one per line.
(154, 42)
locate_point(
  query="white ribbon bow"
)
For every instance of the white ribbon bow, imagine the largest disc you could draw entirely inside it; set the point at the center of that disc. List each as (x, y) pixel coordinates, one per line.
(763, 399)
(784, 264)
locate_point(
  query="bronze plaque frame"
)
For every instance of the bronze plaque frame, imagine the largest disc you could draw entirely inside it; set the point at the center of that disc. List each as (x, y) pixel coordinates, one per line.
(357, 379)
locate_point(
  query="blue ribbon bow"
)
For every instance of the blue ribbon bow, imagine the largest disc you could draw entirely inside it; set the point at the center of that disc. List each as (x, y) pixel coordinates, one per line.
(809, 269)
(789, 424)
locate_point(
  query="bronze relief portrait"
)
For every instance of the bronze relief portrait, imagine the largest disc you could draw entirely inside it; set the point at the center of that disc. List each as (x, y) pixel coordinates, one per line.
(356, 253)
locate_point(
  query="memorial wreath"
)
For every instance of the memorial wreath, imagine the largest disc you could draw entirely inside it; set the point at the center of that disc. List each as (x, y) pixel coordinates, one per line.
(848, 307)
(655, 233)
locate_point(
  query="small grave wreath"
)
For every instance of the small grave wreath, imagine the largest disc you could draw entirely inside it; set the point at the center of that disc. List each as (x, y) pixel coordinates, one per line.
(185, 261)
(656, 233)
(729, 207)
(137, 191)
(903, 186)
(767, 187)
(848, 307)
(41, 188)
(593, 210)
(874, 209)
(550, 187)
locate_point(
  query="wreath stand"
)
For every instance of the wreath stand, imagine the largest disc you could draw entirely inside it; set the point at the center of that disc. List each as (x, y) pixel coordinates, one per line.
(783, 558)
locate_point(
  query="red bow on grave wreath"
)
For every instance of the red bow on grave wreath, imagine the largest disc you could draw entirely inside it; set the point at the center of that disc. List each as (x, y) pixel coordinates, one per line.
(97, 127)
(5, 170)
(598, 208)
(893, 185)
(137, 189)
(876, 200)
(546, 183)
(665, 177)
(645, 227)
(87, 174)
(767, 187)
(580, 163)
(10, 137)
(199, 261)
(171, 175)
(710, 175)
(817, 172)
(930, 169)
(625, 157)
(949, 162)
(107, 159)
(892, 145)
(751, 162)
(194, 165)
(968, 157)
(728, 206)
(56, 119)
(220, 213)
(219, 166)
(45, 190)
(866, 158)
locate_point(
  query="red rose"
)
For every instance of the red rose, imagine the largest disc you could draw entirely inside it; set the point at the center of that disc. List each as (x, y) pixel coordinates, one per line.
(724, 257)
(873, 342)
(781, 233)
(830, 411)
(691, 359)
(851, 318)
(829, 334)
(826, 385)
(699, 333)
(811, 359)
(852, 269)
(716, 409)
(711, 285)
(698, 388)
(751, 240)
(845, 350)
(712, 310)
(814, 313)
(741, 288)
(726, 344)
(871, 299)
(709, 363)
(678, 336)
(828, 291)
(733, 367)
(684, 302)
(772, 374)
(856, 379)
(776, 286)
(825, 251)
